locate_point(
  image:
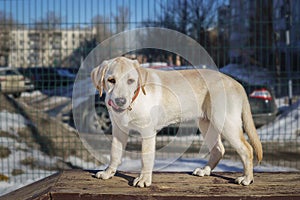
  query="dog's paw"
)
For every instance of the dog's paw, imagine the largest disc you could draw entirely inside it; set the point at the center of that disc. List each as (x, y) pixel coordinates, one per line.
(144, 180)
(202, 171)
(106, 174)
(244, 180)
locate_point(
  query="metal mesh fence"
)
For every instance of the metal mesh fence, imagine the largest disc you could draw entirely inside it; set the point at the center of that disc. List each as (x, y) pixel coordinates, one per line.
(43, 43)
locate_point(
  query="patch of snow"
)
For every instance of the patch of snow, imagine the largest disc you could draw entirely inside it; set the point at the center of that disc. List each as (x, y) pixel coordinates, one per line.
(189, 164)
(11, 122)
(57, 99)
(284, 128)
(31, 94)
(78, 162)
(19, 152)
(6, 187)
(281, 102)
(183, 139)
(12, 143)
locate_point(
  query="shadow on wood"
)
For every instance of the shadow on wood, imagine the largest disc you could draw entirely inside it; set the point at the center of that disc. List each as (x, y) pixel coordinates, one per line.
(118, 174)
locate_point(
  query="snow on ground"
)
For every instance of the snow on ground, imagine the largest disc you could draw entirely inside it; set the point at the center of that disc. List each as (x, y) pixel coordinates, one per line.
(35, 93)
(11, 122)
(43, 102)
(6, 187)
(17, 161)
(189, 164)
(32, 164)
(20, 158)
(285, 128)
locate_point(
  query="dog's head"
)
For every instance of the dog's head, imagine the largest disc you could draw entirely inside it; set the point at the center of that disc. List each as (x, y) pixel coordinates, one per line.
(121, 78)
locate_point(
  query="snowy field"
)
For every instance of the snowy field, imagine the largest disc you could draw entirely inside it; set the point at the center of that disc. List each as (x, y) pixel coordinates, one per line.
(284, 129)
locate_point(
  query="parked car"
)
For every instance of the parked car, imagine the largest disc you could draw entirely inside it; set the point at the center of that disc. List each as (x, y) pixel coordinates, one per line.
(13, 82)
(259, 85)
(47, 78)
(100, 122)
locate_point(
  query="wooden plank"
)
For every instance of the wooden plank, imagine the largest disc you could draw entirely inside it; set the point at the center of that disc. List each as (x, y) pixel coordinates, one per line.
(38, 190)
(77, 184)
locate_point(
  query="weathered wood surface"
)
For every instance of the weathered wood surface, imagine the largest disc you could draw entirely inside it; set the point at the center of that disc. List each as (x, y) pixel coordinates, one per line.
(77, 184)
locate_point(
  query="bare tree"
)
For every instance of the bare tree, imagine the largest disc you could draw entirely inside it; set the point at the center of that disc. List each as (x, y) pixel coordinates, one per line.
(121, 19)
(101, 24)
(188, 17)
(174, 16)
(51, 21)
(202, 16)
(192, 18)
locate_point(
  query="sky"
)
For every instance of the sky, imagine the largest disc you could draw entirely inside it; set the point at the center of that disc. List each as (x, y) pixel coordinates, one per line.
(74, 12)
(78, 11)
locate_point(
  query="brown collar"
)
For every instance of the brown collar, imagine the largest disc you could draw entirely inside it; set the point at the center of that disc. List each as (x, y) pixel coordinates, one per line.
(136, 93)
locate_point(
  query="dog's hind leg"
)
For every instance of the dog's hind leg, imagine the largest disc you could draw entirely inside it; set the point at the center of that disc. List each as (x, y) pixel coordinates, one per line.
(214, 143)
(233, 133)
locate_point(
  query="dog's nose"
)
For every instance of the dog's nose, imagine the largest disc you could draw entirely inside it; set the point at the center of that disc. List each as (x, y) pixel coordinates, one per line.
(120, 101)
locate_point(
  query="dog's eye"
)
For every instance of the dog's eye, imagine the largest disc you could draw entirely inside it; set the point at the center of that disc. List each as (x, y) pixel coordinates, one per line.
(111, 80)
(130, 81)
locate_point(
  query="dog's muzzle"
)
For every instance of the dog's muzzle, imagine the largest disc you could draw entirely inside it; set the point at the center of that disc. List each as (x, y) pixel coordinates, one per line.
(115, 107)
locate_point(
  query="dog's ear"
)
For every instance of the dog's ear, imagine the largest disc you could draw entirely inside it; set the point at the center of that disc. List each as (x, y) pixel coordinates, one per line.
(97, 76)
(142, 79)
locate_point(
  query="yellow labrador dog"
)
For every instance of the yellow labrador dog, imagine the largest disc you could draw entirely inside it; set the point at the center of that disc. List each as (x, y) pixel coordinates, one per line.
(147, 100)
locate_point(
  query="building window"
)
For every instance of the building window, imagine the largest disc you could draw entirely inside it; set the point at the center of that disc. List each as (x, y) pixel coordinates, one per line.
(232, 11)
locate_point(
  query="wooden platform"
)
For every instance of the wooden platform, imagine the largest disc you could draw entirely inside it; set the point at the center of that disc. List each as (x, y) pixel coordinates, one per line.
(78, 184)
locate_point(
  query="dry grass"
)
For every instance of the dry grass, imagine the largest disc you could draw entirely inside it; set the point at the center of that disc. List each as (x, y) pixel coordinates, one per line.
(6, 134)
(16, 172)
(4, 152)
(4, 177)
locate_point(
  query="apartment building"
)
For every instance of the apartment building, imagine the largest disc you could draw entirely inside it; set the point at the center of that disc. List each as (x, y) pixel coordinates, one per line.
(31, 48)
(257, 28)
(251, 31)
(280, 9)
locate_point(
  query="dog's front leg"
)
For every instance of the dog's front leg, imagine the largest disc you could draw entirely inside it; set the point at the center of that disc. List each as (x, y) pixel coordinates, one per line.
(148, 154)
(119, 142)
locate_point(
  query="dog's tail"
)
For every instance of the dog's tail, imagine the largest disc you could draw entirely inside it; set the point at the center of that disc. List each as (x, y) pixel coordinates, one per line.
(250, 129)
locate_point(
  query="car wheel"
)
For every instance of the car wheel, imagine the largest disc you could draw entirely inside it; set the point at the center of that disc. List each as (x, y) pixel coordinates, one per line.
(103, 119)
